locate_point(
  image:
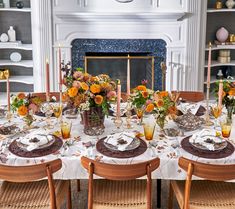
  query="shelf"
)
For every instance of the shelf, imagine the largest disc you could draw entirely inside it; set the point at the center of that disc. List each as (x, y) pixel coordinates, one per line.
(217, 64)
(220, 10)
(13, 9)
(23, 63)
(220, 47)
(28, 47)
(20, 79)
(214, 80)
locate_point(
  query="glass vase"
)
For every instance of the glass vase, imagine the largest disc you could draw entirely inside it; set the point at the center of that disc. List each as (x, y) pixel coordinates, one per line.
(161, 121)
(230, 109)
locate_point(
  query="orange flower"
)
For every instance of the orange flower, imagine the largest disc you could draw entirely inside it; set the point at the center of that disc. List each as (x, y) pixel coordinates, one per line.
(84, 86)
(150, 107)
(21, 95)
(223, 94)
(94, 79)
(163, 93)
(231, 92)
(65, 97)
(22, 110)
(98, 99)
(159, 103)
(172, 110)
(145, 94)
(72, 92)
(79, 99)
(95, 88)
(141, 88)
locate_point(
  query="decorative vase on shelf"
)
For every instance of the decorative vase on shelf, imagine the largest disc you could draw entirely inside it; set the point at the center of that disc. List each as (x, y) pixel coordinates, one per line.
(93, 121)
(219, 75)
(222, 35)
(19, 4)
(6, 3)
(11, 34)
(230, 4)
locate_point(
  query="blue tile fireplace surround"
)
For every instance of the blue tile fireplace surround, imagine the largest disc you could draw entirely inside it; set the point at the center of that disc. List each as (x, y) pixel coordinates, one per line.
(104, 47)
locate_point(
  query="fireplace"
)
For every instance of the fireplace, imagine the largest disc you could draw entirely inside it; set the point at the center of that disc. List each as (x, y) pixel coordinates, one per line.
(110, 56)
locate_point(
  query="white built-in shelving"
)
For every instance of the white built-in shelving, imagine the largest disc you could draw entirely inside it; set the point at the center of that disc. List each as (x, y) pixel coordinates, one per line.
(25, 65)
(219, 64)
(211, 10)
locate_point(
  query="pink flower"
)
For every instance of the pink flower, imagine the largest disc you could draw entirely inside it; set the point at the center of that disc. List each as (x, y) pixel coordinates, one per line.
(111, 94)
(76, 84)
(33, 107)
(144, 82)
(78, 75)
(148, 102)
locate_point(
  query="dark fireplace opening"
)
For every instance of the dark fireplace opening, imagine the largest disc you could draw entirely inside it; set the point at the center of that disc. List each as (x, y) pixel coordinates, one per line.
(115, 65)
(103, 51)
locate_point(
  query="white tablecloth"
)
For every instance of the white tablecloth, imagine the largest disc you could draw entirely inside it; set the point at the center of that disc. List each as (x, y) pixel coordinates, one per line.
(71, 154)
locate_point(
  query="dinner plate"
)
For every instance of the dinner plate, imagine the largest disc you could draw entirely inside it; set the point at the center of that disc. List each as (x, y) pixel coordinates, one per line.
(209, 139)
(24, 146)
(9, 130)
(133, 145)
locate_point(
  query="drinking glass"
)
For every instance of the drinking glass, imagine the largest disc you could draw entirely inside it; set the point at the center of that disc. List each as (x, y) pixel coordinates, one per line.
(47, 109)
(149, 128)
(66, 126)
(71, 113)
(216, 112)
(140, 114)
(226, 127)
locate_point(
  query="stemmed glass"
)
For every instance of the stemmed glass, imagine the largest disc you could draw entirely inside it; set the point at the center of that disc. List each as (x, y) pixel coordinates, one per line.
(47, 109)
(216, 112)
(140, 114)
(57, 110)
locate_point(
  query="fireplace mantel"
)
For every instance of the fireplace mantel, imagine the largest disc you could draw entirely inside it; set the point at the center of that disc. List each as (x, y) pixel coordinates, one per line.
(177, 22)
(119, 16)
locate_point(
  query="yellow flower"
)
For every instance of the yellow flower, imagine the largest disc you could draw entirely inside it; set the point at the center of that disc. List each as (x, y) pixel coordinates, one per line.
(163, 93)
(95, 88)
(159, 103)
(72, 92)
(231, 92)
(141, 88)
(98, 99)
(84, 86)
(22, 110)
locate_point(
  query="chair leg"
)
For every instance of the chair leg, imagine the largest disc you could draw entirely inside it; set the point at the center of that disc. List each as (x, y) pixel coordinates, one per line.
(170, 200)
(78, 185)
(69, 201)
(159, 186)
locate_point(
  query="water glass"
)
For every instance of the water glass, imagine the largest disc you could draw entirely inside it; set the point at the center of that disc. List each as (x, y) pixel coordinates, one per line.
(66, 126)
(226, 127)
(149, 128)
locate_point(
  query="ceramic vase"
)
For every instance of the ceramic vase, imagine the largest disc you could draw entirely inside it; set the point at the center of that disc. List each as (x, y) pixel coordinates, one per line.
(222, 35)
(230, 4)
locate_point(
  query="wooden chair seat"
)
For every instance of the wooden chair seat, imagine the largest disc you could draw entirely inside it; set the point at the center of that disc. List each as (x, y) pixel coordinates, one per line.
(191, 96)
(31, 195)
(206, 194)
(119, 194)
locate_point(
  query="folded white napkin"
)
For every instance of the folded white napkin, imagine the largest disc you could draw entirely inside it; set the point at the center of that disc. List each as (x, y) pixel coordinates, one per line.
(42, 137)
(126, 136)
(184, 107)
(200, 138)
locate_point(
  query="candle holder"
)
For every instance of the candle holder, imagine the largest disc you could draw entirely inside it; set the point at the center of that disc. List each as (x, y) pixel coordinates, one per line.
(118, 122)
(9, 116)
(128, 116)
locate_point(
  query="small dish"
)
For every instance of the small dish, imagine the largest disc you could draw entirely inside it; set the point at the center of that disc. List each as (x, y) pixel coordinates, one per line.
(9, 130)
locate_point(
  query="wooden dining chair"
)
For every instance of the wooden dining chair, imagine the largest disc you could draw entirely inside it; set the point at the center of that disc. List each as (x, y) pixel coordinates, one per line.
(21, 188)
(119, 189)
(42, 95)
(191, 96)
(204, 194)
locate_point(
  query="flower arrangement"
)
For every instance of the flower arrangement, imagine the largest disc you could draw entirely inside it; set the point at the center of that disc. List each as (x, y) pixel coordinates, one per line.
(85, 91)
(141, 98)
(25, 106)
(164, 105)
(228, 93)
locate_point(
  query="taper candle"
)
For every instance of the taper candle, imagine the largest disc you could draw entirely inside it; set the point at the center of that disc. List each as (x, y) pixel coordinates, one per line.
(220, 94)
(118, 98)
(209, 66)
(128, 85)
(47, 81)
(8, 95)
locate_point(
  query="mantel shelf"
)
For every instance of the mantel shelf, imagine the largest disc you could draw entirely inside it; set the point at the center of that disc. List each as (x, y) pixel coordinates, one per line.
(20, 79)
(220, 47)
(27, 47)
(120, 16)
(23, 63)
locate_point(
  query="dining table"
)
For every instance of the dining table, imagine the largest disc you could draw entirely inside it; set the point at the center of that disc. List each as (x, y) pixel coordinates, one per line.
(168, 149)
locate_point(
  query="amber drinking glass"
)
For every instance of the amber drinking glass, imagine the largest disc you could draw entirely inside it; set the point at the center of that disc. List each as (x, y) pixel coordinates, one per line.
(226, 129)
(140, 114)
(66, 126)
(149, 128)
